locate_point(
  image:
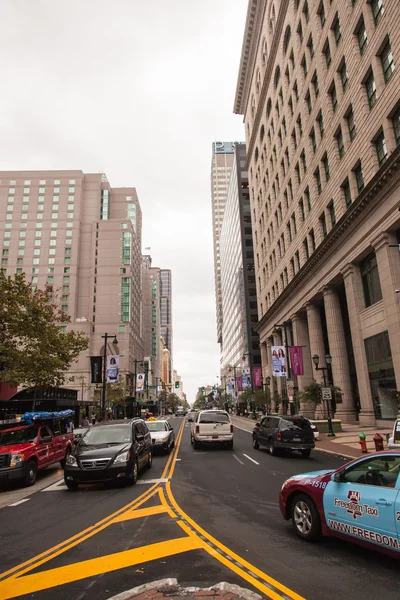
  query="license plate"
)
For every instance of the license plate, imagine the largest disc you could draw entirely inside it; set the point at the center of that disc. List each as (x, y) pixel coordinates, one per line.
(214, 437)
(296, 440)
(397, 441)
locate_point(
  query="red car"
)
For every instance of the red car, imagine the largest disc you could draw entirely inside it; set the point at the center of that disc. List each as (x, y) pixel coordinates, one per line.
(359, 502)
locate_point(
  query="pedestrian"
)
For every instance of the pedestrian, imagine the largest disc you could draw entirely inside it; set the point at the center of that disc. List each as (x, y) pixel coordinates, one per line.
(93, 418)
(85, 422)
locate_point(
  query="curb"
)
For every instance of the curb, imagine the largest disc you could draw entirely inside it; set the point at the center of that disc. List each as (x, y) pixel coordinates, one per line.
(339, 454)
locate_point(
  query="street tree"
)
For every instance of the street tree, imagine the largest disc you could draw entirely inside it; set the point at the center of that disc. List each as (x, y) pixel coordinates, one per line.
(34, 351)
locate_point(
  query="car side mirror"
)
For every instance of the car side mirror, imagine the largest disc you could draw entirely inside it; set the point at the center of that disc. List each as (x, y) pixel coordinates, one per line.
(139, 437)
(338, 477)
(46, 439)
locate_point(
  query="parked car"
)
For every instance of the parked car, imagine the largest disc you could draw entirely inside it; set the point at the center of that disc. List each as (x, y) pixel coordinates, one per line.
(79, 432)
(110, 451)
(162, 435)
(191, 415)
(212, 426)
(284, 433)
(394, 440)
(33, 444)
(359, 502)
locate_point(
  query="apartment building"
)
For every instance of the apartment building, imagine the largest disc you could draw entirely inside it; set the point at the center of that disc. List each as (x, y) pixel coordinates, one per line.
(77, 234)
(319, 89)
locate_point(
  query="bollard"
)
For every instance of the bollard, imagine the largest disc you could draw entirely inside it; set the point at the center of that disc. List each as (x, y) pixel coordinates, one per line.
(378, 441)
(362, 442)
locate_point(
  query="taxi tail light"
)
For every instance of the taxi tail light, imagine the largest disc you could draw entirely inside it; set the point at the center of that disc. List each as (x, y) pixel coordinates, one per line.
(278, 436)
(197, 429)
(231, 428)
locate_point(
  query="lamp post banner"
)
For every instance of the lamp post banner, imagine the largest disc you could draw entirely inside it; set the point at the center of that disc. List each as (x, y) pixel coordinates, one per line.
(140, 382)
(257, 377)
(239, 384)
(231, 384)
(246, 383)
(112, 368)
(278, 361)
(96, 366)
(296, 360)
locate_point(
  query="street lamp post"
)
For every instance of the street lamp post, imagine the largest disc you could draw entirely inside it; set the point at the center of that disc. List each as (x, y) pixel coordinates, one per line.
(233, 368)
(275, 332)
(328, 359)
(266, 384)
(103, 391)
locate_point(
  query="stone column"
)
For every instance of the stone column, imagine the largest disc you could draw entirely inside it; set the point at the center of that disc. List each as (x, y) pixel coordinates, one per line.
(355, 303)
(317, 345)
(265, 360)
(389, 274)
(300, 336)
(338, 351)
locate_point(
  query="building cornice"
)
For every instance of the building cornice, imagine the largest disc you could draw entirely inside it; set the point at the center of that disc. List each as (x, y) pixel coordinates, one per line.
(254, 21)
(384, 180)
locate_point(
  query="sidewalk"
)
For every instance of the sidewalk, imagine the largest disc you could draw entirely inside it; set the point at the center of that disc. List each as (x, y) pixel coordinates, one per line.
(171, 590)
(344, 443)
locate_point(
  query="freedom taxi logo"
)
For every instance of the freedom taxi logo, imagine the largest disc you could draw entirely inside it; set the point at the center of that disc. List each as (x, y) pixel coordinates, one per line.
(354, 507)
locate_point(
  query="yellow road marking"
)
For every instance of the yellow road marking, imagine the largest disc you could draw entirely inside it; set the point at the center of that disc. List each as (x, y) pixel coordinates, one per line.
(174, 454)
(29, 584)
(140, 513)
(165, 504)
(36, 561)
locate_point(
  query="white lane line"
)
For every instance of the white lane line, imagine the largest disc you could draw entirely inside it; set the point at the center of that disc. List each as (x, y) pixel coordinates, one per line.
(238, 459)
(252, 459)
(55, 486)
(147, 481)
(241, 428)
(178, 459)
(19, 502)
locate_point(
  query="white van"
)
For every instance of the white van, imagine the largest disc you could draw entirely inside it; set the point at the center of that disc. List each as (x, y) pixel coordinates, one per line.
(212, 426)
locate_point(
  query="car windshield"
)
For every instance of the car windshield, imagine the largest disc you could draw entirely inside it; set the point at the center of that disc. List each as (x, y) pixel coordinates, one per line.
(156, 426)
(20, 436)
(295, 424)
(108, 434)
(214, 418)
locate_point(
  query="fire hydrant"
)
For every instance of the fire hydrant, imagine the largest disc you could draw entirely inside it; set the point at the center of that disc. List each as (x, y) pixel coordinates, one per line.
(378, 441)
(363, 442)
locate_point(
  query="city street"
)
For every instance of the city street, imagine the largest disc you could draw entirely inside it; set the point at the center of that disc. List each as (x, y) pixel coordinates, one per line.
(200, 516)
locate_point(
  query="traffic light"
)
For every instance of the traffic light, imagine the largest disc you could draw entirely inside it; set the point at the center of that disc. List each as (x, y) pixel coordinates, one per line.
(177, 384)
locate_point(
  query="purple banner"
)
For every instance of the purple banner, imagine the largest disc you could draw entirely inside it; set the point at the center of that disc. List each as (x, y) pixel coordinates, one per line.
(296, 360)
(239, 384)
(257, 377)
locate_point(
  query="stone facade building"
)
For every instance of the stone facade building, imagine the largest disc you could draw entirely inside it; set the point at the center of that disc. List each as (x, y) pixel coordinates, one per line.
(319, 88)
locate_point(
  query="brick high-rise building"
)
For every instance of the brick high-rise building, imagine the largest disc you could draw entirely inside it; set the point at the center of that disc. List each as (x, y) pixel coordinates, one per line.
(75, 232)
(319, 89)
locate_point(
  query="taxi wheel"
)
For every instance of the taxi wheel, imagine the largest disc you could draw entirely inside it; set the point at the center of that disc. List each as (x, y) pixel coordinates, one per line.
(305, 518)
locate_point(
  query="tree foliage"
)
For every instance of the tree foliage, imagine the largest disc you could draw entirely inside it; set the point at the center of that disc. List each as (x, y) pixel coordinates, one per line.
(34, 352)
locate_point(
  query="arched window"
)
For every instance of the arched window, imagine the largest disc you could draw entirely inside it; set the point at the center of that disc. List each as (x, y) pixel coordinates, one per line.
(269, 107)
(264, 52)
(277, 76)
(286, 39)
(258, 82)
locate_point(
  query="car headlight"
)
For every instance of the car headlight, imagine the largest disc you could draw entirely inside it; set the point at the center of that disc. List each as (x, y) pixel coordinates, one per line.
(16, 459)
(123, 457)
(71, 460)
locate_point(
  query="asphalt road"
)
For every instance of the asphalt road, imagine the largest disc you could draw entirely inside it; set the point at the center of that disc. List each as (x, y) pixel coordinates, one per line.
(133, 535)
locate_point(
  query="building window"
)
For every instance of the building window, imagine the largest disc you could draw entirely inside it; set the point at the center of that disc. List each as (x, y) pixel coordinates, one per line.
(331, 208)
(359, 178)
(381, 151)
(336, 30)
(313, 140)
(297, 169)
(303, 161)
(290, 102)
(340, 143)
(333, 94)
(371, 89)
(308, 101)
(300, 32)
(327, 54)
(317, 176)
(306, 249)
(321, 14)
(344, 76)
(320, 121)
(322, 221)
(308, 198)
(370, 280)
(396, 125)
(351, 123)
(315, 84)
(387, 62)
(377, 10)
(325, 164)
(310, 46)
(304, 66)
(362, 36)
(347, 192)
(125, 298)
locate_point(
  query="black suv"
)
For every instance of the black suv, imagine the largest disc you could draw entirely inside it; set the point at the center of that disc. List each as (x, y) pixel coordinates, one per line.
(110, 451)
(284, 433)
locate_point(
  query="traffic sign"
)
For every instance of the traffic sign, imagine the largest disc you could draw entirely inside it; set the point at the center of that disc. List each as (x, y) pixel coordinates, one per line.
(326, 394)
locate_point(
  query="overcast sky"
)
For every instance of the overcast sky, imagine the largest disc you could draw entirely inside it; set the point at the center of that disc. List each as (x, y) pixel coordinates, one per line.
(138, 89)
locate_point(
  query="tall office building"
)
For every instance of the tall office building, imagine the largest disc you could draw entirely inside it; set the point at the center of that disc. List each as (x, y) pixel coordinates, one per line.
(151, 324)
(240, 343)
(166, 313)
(319, 89)
(221, 167)
(76, 233)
